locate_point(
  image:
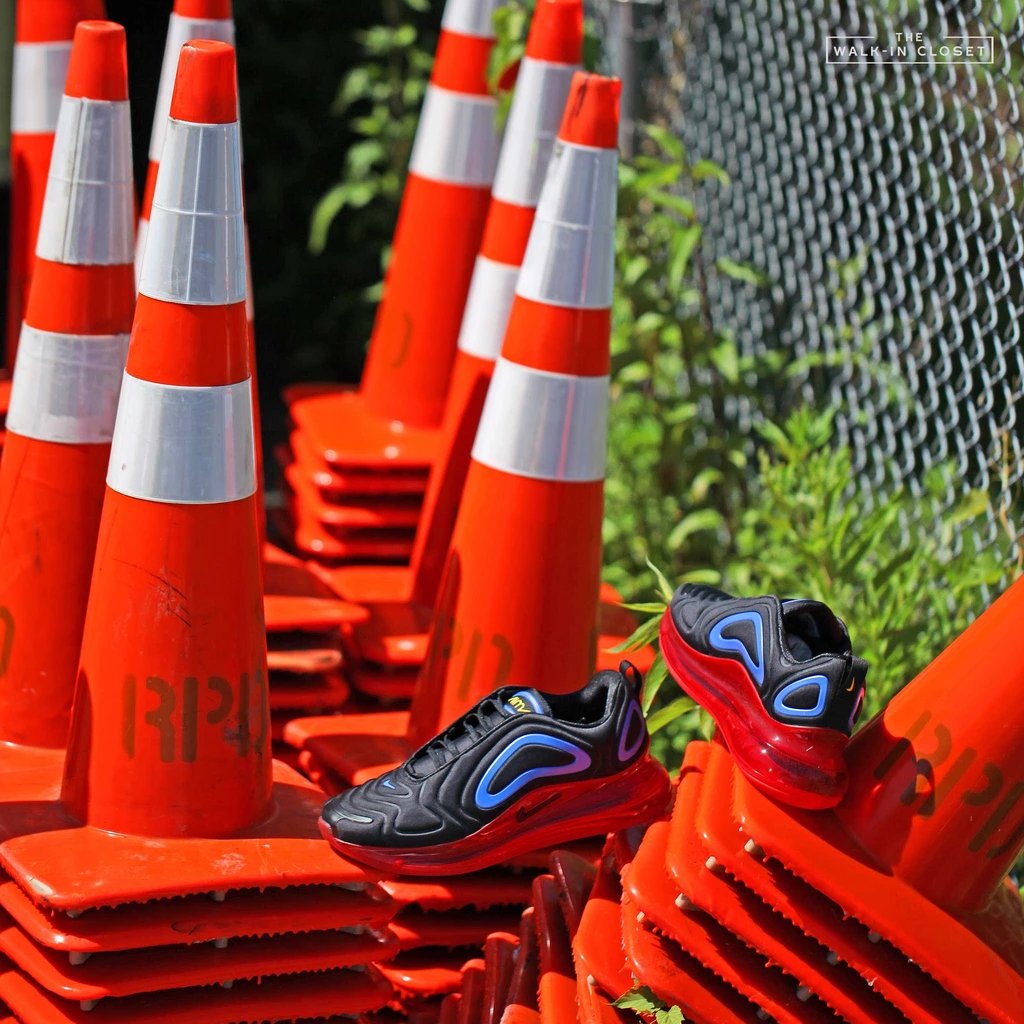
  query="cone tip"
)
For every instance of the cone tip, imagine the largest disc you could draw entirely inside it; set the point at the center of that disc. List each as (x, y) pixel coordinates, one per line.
(55, 21)
(592, 111)
(206, 10)
(556, 32)
(204, 87)
(98, 68)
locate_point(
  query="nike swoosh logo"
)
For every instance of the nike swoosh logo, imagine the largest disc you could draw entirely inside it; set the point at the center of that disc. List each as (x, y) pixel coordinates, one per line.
(528, 812)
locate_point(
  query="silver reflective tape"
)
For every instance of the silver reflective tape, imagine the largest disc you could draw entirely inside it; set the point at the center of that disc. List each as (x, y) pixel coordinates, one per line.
(65, 386)
(179, 31)
(570, 257)
(37, 85)
(195, 245)
(456, 141)
(142, 233)
(186, 446)
(537, 107)
(548, 426)
(470, 17)
(488, 306)
(89, 209)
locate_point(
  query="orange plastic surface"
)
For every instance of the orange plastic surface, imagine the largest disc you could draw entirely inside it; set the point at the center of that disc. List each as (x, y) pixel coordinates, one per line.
(482, 889)
(414, 928)
(425, 972)
(499, 963)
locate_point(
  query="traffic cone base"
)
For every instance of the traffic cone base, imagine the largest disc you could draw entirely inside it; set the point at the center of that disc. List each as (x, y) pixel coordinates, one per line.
(816, 919)
(556, 984)
(193, 919)
(424, 972)
(355, 512)
(295, 598)
(371, 584)
(38, 831)
(384, 545)
(305, 653)
(414, 928)
(334, 485)
(676, 978)
(342, 435)
(117, 976)
(494, 887)
(274, 999)
(308, 693)
(599, 962)
(500, 951)
(735, 935)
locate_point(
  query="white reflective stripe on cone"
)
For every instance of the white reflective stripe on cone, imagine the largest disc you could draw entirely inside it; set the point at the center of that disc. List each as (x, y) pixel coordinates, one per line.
(65, 386)
(195, 246)
(182, 445)
(37, 86)
(470, 17)
(456, 141)
(488, 305)
(547, 426)
(570, 257)
(89, 210)
(537, 106)
(179, 31)
(142, 233)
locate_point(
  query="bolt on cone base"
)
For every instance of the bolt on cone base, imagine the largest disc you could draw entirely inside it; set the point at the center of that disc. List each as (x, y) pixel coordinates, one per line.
(283, 850)
(813, 847)
(915, 993)
(191, 919)
(272, 999)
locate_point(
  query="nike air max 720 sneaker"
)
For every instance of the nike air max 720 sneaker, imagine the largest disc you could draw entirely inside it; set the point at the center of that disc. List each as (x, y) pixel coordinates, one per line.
(520, 770)
(780, 680)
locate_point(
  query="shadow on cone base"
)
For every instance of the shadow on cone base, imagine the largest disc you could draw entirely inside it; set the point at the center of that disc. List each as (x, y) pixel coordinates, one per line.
(43, 585)
(171, 733)
(936, 780)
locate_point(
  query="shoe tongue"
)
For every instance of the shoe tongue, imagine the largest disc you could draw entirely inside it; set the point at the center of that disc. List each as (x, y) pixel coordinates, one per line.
(523, 702)
(812, 628)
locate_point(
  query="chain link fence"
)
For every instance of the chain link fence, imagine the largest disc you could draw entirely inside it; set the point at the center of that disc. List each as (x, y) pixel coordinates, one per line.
(881, 190)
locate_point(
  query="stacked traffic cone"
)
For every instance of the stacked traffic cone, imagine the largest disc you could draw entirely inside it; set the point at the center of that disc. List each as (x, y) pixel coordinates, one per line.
(65, 389)
(168, 766)
(892, 907)
(532, 507)
(377, 444)
(387, 652)
(42, 46)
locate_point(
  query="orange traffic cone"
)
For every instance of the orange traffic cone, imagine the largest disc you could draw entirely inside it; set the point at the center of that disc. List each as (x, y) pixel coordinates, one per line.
(553, 49)
(168, 766)
(532, 506)
(66, 383)
(42, 46)
(190, 19)
(391, 423)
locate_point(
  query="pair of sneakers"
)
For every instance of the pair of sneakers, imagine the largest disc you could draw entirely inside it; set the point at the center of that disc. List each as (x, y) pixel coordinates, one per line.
(523, 769)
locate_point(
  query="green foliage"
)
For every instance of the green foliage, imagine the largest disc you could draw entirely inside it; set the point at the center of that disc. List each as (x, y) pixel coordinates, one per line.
(642, 1000)
(812, 528)
(381, 98)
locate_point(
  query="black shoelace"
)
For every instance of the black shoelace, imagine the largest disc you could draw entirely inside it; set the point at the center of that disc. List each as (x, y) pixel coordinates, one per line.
(474, 724)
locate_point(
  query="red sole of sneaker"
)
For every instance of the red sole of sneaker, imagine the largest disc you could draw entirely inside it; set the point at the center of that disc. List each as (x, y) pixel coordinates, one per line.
(546, 817)
(773, 756)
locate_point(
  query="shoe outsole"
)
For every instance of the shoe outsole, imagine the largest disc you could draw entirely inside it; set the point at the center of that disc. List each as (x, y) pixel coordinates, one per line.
(545, 817)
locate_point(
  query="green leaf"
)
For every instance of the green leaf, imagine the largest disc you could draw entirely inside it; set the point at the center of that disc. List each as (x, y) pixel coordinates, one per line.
(673, 1015)
(640, 998)
(644, 634)
(744, 272)
(704, 169)
(673, 202)
(668, 714)
(700, 519)
(664, 587)
(648, 608)
(656, 676)
(680, 250)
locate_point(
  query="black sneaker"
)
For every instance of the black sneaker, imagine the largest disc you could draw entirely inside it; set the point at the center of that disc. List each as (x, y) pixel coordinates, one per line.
(779, 678)
(519, 771)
